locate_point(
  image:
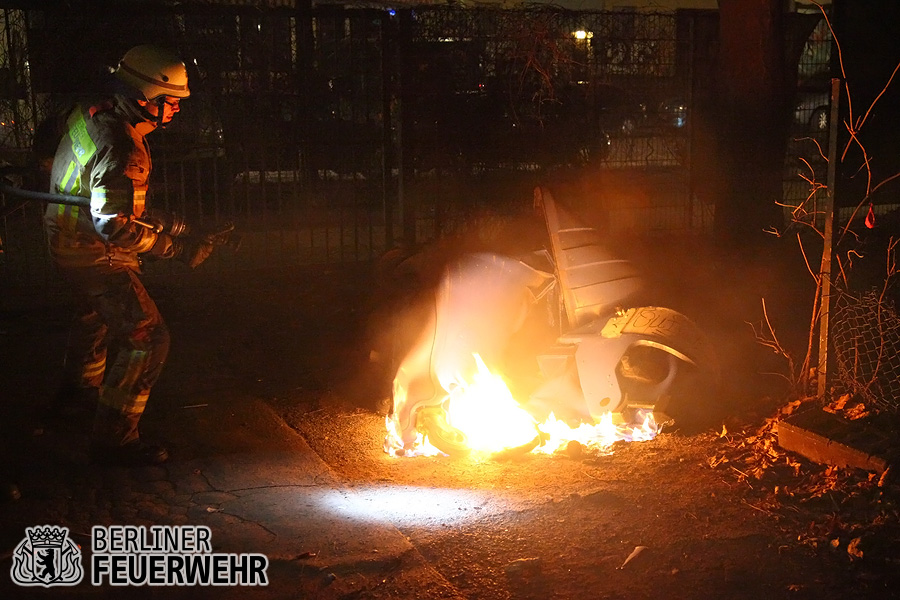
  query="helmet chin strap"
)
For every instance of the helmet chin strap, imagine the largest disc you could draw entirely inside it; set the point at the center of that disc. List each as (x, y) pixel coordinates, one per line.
(160, 110)
(153, 121)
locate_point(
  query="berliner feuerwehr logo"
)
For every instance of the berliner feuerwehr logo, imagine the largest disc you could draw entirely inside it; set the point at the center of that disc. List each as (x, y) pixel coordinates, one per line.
(47, 557)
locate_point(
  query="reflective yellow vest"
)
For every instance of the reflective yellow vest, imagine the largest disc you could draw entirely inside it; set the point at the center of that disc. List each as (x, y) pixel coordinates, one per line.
(101, 156)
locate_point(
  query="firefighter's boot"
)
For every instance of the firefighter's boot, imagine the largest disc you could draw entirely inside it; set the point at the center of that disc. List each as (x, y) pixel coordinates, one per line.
(115, 441)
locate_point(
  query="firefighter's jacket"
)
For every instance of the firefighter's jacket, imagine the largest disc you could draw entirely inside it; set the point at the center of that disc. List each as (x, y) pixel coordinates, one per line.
(103, 156)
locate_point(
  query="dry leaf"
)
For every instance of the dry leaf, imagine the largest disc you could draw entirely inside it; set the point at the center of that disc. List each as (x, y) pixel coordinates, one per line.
(837, 405)
(857, 411)
(791, 407)
(853, 548)
(634, 554)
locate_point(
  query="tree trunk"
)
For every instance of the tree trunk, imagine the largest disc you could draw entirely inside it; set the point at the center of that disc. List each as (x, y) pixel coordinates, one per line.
(754, 106)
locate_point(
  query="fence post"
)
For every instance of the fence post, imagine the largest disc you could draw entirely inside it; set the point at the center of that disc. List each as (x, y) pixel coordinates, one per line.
(404, 126)
(825, 270)
(304, 70)
(388, 154)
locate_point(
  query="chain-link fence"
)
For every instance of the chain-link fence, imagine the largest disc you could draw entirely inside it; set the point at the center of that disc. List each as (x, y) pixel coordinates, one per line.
(866, 341)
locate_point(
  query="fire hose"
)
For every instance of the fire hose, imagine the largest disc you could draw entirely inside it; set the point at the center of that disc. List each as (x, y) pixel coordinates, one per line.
(170, 223)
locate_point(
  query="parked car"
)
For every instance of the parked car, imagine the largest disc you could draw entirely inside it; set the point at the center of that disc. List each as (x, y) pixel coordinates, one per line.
(619, 111)
(491, 126)
(672, 113)
(812, 111)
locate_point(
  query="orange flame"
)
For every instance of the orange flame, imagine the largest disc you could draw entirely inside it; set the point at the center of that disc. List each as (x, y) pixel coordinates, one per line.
(485, 410)
(492, 420)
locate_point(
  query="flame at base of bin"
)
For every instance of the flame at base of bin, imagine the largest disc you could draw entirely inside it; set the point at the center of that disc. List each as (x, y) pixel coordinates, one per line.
(485, 418)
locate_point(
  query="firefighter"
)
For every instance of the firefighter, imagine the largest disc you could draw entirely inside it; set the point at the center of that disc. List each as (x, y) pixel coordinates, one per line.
(103, 155)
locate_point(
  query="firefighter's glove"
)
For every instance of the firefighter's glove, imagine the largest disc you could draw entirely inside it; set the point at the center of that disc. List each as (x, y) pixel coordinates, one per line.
(164, 247)
(224, 236)
(196, 249)
(193, 251)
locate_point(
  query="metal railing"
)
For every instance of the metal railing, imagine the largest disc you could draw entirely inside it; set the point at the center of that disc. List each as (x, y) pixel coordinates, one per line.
(328, 134)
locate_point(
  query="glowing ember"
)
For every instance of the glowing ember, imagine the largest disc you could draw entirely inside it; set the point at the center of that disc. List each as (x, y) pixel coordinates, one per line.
(485, 411)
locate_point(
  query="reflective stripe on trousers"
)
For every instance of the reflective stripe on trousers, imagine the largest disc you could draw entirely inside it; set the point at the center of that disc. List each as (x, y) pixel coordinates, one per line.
(116, 306)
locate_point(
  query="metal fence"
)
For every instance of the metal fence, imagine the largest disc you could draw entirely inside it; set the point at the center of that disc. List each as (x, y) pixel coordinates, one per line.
(805, 159)
(327, 134)
(866, 340)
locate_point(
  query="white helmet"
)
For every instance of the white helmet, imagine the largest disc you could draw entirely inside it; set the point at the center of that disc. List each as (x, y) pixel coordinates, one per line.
(154, 72)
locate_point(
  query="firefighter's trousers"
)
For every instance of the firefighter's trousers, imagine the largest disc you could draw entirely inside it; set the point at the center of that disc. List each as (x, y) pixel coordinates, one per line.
(115, 315)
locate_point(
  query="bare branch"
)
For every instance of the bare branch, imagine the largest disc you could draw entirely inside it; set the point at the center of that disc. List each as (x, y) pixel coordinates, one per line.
(805, 258)
(880, 94)
(770, 340)
(843, 275)
(874, 189)
(834, 37)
